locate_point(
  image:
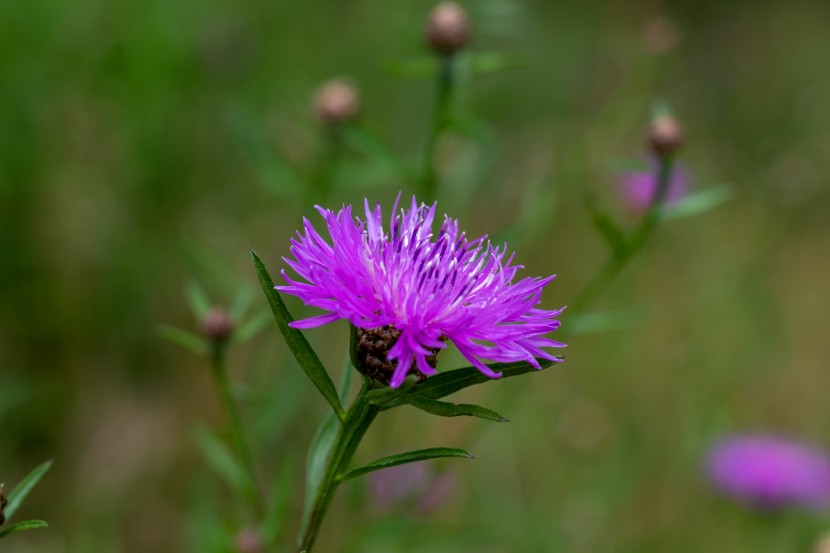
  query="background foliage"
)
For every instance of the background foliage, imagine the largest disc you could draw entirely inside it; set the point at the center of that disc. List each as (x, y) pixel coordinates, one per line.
(145, 145)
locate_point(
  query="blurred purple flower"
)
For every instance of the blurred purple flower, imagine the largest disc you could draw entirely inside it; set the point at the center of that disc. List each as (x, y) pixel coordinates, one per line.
(770, 472)
(394, 486)
(638, 188)
(427, 287)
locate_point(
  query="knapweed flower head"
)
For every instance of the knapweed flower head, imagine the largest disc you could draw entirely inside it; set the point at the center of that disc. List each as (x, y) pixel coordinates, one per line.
(770, 472)
(638, 189)
(416, 290)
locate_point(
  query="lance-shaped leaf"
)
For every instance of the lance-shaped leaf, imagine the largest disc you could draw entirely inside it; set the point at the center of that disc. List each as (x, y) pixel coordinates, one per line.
(19, 493)
(221, 460)
(23, 526)
(183, 338)
(297, 343)
(447, 409)
(444, 384)
(408, 457)
(610, 232)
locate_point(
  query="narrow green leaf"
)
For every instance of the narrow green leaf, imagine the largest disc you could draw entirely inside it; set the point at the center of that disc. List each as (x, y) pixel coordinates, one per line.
(316, 459)
(447, 409)
(697, 203)
(23, 526)
(297, 343)
(408, 457)
(19, 493)
(241, 302)
(197, 299)
(183, 338)
(444, 384)
(251, 327)
(610, 232)
(222, 461)
(494, 62)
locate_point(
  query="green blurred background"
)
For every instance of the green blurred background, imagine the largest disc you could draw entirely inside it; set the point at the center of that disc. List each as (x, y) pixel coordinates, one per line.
(146, 145)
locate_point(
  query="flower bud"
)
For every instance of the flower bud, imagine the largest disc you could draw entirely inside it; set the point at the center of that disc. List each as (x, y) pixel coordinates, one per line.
(448, 28)
(217, 326)
(248, 541)
(665, 135)
(336, 101)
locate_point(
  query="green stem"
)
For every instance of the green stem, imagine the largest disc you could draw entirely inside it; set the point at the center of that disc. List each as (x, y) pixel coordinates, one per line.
(616, 263)
(440, 120)
(322, 177)
(351, 431)
(239, 443)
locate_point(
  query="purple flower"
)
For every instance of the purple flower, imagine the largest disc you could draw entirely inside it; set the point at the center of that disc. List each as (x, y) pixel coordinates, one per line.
(771, 472)
(428, 287)
(638, 189)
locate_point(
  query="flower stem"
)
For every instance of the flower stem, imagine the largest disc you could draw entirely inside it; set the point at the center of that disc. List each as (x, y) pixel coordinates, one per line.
(440, 120)
(617, 262)
(238, 441)
(358, 418)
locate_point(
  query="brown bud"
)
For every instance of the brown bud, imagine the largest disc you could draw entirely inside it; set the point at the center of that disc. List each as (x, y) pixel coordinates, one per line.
(249, 541)
(448, 28)
(336, 101)
(372, 346)
(665, 135)
(217, 326)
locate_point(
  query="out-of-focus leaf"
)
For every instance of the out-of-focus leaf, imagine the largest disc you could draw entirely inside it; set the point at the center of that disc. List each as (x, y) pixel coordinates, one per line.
(19, 493)
(23, 526)
(408, 457)
(241, 302)
(197, 299)
(414, 67)
(183, 338)
(444, 384)
(297, 343)
(610, 232)
(592, 323)
(493, 62)
(371, 146)
(253, 326)
(697, 203)
(219, 457)
(447, 409)
(279, 504)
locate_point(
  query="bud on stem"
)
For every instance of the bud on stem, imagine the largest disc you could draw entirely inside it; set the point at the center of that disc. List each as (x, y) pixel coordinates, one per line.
(448, 28)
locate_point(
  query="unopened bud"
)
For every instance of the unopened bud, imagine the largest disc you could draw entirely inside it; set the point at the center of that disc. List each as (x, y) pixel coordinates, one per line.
(249, 541)
(665, 135)
(448, 28)
(217, 326)
(336, 101)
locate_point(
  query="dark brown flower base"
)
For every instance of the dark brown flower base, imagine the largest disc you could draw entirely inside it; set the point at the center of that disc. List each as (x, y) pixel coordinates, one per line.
(372, 346)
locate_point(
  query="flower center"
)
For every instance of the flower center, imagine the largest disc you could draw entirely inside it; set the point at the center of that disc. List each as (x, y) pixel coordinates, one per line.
(372, 346)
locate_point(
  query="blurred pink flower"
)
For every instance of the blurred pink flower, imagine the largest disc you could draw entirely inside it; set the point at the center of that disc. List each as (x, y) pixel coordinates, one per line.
(637, 189)
(771, 472)
(413, 483)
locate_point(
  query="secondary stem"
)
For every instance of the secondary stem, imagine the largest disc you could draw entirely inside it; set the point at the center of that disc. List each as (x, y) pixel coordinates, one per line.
(446, 83)
(240, 444)
(358, 418)
(617, 262)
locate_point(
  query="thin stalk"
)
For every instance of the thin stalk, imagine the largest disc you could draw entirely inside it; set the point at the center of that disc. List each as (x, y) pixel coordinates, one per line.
(322, 177)
(238, 441)
(358, 418)
(617, 262)
(440, 119)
